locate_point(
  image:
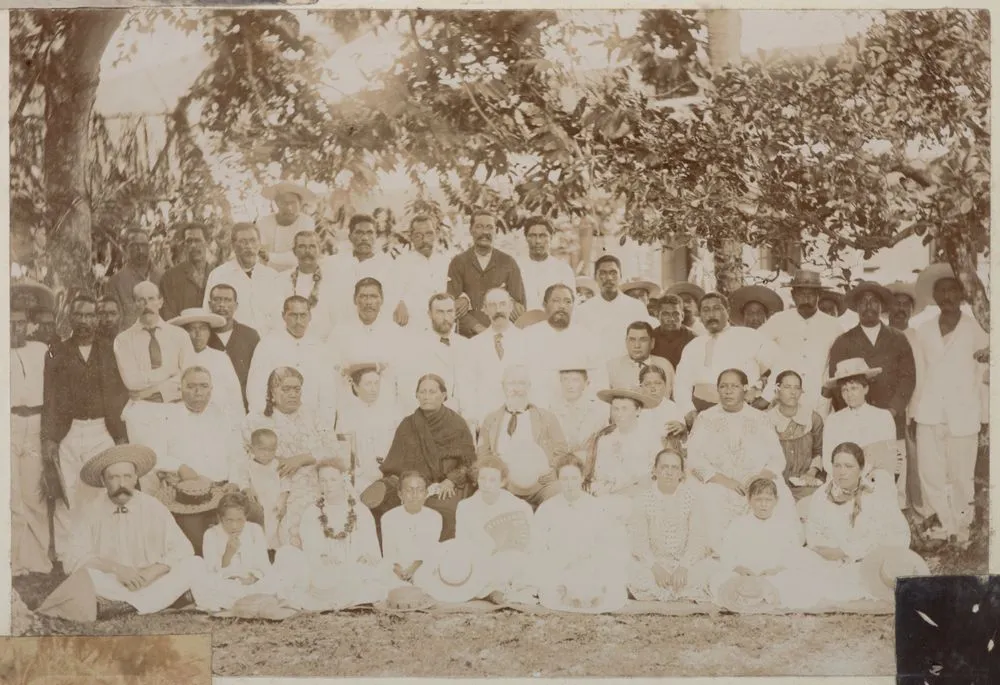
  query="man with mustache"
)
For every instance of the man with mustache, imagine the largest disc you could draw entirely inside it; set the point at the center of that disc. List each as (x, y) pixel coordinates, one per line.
(151, 355)
(44, 321)
(278, 231)
(109, 317)
(439, 350)
(804, 336)
(423, 269)
(490, 352)
(183, 285)
(364, 261)
(540, 269)
(258, 287)
(722, 347)
(294, 346)
(609, 313)
(81, 414)
(238, 341)
(138, 268)
(127, 542)
(309, 280)
(471, 274)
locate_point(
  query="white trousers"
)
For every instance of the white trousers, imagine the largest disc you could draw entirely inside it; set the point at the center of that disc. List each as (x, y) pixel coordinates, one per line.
(85, 439)
(214, 592)
(947, 475)
(155, 597)
(29, 510)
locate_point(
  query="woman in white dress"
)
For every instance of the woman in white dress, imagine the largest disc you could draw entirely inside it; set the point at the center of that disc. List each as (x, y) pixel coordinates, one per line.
(621, 455)
(669, 547)
(852, 516)
(340, 564)
(372, 417)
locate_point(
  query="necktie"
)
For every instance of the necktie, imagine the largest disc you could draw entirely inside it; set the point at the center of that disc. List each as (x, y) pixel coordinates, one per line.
(122, 509)
(155, 353)
(445, 341)
(642, 366)
(249, 273)
(498, 344)
(512, 424)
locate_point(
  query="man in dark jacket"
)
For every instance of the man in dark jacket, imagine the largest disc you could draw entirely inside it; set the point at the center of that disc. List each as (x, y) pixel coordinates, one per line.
(183, 285)
(235, 339)
(880, 346)
(83, 398)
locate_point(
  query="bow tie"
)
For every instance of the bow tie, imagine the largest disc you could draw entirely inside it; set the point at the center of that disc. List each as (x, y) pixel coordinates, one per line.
(121, 509)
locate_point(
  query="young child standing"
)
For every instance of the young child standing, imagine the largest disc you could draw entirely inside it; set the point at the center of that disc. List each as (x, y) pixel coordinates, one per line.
(410, 533)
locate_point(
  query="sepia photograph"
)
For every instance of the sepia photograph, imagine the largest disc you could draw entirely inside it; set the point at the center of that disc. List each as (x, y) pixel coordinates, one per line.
(522, 343)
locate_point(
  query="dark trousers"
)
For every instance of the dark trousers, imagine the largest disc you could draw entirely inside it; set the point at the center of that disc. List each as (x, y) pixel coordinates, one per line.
(195, 525)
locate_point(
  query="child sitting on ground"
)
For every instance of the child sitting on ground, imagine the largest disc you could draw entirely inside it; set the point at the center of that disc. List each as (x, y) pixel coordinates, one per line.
(235, 553)
(410, 533)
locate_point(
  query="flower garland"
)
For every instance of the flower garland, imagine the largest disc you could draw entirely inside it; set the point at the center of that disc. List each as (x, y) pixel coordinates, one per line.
(314, 293)
(352, 519)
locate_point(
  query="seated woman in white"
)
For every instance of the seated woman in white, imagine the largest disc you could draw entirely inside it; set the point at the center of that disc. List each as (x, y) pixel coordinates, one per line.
(236, 561)
(767, 542)
(662, 414)
(852, 516)
(621, 456)
(340, 564)
(669, 547)
(372, 417)
(410, 532)
(574, 539)
(497, 525)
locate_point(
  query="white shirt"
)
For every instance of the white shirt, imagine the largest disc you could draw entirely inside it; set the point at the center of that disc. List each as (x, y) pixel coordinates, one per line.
(862, 426)
(953, 391)
(374, 426)
(266, 484)
(871, 333)
(427, 354)
(419, 279)
(27, 369)
(538, 276)
(208, 442)
(250, 559)
(548, 349)
(226, 391)
(347, 270)
(279, 240)
(382, 342)
(580, 420)
(608, 321)
(507, 522)
(258, 296)
(135, 366)
(803, 346)
(625, 459)
(525, 458)
(410, 537)
(488, 368)
(736, 347)
(310, 356)
(224, 336)
(323, 317)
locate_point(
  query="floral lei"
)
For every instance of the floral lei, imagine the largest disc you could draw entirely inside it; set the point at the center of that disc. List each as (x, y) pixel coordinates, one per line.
(352, 519)
(314, 294)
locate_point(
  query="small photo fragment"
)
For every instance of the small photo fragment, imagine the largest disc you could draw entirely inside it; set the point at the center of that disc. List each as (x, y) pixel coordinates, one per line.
(948, 630)
(106, 660)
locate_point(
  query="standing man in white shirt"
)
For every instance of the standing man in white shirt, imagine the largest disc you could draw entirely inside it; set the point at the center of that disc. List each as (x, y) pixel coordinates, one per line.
(540, 269)
(609, 314)
(804, 336)
(308, 280)
(292, 346)
(278, 230)
(953, 407)
(439, 350)
(423, 271)
(490, 352)
(623, 371)
(226, 393)
(364, 261)
(258, 292)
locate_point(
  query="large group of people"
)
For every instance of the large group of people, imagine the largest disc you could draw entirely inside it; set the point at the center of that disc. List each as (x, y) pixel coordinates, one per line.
(331, 430)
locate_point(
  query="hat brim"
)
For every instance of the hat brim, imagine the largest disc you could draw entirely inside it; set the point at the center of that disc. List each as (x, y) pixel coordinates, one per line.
(141, 456)
(652, 288)
(588, 283)
(213, 320)
(852, 298)
(608, 604)
(430, 581)
(609, 394)
(685, 288)
(728, 598)
(271, 192)
(869, 374)
(926, 280)
(836, 297)
(530, 318)
(42, 294)
(384, 607)
(167, 495)
(741, 297)
(871, 569)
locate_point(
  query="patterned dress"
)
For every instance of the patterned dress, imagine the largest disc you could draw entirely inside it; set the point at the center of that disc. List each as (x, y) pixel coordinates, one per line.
(801, 438)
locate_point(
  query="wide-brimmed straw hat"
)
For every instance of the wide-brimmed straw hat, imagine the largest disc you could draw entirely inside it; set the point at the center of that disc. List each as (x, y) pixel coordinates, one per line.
(457, 574)
(901, 288)
(273, 191)
(805, 278)
(837, 297)
(198, 315)
(855, 366)
(748, 595)
(195, 496)
(926, 279)
(685, 288)
(583, 592)
(881, 568)
(141, 456)
(641, 284)
(588, 283)
(636, 394)
(259, 606)
(405, 599)
(741, 297)
(531, 317)
(28, 294)
(877, 289)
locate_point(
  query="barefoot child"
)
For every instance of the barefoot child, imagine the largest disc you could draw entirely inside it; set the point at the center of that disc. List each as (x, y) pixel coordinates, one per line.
(410, 532)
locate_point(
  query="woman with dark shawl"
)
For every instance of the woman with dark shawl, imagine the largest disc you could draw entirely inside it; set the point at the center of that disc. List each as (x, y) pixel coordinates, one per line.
(436, 442)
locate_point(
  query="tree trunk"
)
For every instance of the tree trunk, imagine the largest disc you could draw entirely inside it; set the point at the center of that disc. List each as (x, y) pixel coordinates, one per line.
(724, 29)
(70, 80)
(962, 258)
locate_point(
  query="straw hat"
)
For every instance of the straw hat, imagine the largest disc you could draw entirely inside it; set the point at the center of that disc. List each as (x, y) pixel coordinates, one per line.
(273, 191)
(141, 456)
(457, 575)
(266, 607)
(28, 294)
(194, 496)
(685, 288)
(405, 599)
(531, 317)
(741, 297)
(583, 592)
(198, 315)
(901, 288)
(881, 568)
(856, 366)
(588, 283)
(573, 360)
(633, 394)
(748, 595)
(926, 280)
(641, 284)
(884, 454)
(836, 296)
(854, 296)
(804, 278)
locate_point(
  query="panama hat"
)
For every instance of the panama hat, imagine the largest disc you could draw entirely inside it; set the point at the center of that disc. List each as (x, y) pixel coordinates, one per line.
(641, 284)
(748, 595)
(573, 362)
(926, 280)
(855, 366)
(588, 283)
(686, 288)
(198, 315)
(881, 568)
(259, 606)
(804, 278)
(837, 297)
(405, 599)
(741, 297)
(141, 456)
(633, 394)
(195, 496)
(273, 191)
(901, 288)
(458, 574)
(854, 296)
(28, 294)
(531, 317)
(583, 592)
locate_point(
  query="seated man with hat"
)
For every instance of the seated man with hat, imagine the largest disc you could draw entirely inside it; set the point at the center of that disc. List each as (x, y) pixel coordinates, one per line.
(278, 230)
(753, 305)
(127, 553)
(227, 393)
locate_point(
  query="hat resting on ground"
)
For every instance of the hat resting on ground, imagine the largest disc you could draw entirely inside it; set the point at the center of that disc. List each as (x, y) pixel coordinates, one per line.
(141, 456)
(748, 595)
(198, 315)
(805, 278)
(881, 567)
(741, 297)
(880, 291)
(271, 192)
(583, 592)
(685, 288)
(458, 574)
(641, 284)
(926, 280)
(405, 599)
(530, 318)
(267, 607)
(855, 366)
(631, 393)
(195, 496)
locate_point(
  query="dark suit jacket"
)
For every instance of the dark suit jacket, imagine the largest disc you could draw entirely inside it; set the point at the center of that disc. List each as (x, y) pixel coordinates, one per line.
(891, 389)
(466, 276)
(181, 290)
(65, 380)
(242, 344)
